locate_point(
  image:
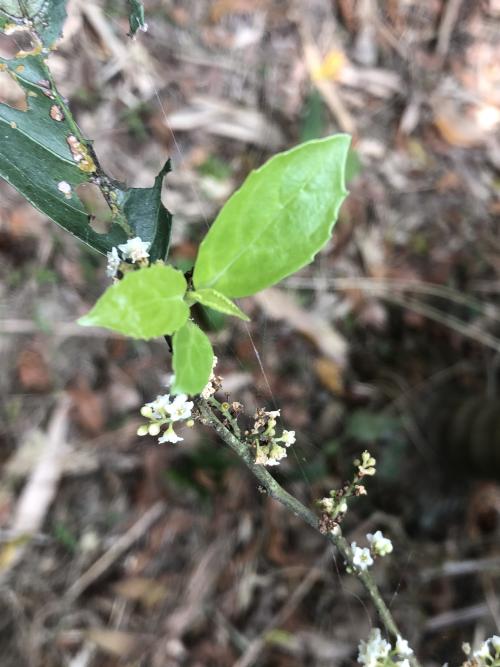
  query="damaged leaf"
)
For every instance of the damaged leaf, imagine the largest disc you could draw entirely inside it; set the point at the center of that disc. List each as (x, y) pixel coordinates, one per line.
(43, 18)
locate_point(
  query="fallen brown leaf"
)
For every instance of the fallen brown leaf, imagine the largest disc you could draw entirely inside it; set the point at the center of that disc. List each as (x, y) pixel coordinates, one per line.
(115, 642)
(32, 369)
(147, 591)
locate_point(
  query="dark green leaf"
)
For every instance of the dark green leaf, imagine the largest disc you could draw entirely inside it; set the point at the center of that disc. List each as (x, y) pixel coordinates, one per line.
(136, 17)
(147, 216)
(46, 18)
(37, 154)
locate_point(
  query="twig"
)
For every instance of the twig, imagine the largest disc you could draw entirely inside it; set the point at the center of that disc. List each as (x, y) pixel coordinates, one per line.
(117, 550)
(294, 505)
(327, 89)
(40, 489)
(460, 568)
(456, 617)
(450, 16)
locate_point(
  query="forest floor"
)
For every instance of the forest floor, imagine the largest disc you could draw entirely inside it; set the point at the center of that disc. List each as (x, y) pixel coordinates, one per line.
(161, 556)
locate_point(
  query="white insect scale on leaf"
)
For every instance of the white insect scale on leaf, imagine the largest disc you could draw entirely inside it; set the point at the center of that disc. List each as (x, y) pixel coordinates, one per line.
(65, 188)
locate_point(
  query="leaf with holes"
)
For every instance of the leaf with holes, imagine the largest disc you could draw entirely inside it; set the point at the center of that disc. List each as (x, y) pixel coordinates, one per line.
(43, 18)
(282, 215)
(192, 360)
(146, 304)
(217, 301)
(44, 156)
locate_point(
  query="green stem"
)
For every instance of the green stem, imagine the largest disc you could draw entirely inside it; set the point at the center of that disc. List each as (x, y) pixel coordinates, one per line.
(277, 492)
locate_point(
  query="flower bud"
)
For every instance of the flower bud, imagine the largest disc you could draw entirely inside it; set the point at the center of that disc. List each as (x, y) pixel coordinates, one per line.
(154, 429)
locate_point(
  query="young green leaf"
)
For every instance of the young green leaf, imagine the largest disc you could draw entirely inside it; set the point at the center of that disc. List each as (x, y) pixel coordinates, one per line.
(192, 359)
(217, 301)
(277, 221)
(146, 304)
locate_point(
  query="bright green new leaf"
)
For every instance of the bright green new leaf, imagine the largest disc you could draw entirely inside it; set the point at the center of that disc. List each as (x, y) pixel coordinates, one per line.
(192, 361)
(146, 304)
(217, 301)
(277, 221)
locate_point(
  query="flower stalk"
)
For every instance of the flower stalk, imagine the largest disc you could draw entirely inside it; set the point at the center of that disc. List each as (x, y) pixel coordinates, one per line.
(276, 491)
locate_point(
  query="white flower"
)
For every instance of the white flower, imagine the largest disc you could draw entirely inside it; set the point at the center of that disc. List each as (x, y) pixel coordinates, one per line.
(180, 408)
(274, 414)
(169, 436)
(402, 648)
(272, 462)
(135, 249)
(380, 545)
(361, 557)
(288, 438)
(403, 663)
(483, 651)
(373, 650)
(113, 263)
(156, 409)
(495, 642)
(327, 504)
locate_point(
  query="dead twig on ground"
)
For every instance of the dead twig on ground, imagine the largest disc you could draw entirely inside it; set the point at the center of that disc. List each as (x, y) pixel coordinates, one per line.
(117, 550)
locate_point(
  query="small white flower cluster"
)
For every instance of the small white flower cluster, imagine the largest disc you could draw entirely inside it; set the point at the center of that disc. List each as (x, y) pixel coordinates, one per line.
(378, 652)
(380, 545)
(164, 411)
(269, 449)
(488, 654)
(362, 557)
(367, 464)
(135, 250)
(331, 506)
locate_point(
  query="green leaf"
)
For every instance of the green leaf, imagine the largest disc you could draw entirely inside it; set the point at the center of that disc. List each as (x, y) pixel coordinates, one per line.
(146, 304)
(46, 18)
(37, 156)
(277, 221)
(136, 17)
(217, 301)
(147, 216)
(193, 359)
(36, 159)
